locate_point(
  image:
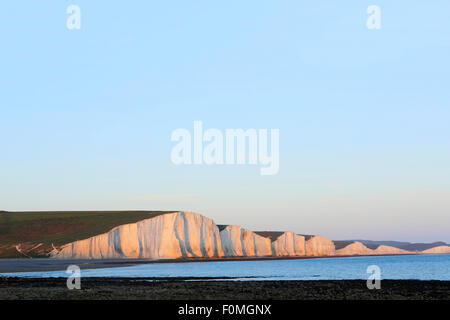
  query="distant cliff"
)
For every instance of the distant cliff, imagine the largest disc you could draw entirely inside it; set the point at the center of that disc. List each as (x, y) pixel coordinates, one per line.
(438, 250)
(358, 248)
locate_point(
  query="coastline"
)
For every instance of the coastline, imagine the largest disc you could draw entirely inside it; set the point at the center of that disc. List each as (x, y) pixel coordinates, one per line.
(18, 265)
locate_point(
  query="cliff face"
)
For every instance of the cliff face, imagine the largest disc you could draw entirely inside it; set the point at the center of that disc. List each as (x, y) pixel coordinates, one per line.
(168, 236)
(319, 246)
(289, 244)
(355, 248)
(189, 235)
(239, 242)
(440, 249)
(180, 235)
(390, 250)
(171, 235)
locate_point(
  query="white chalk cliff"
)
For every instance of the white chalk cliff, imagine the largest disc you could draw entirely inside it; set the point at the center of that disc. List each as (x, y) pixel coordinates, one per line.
(189, 235)
(358, 249)
(355, 248)
(181, 235)
(318, 246)
(168, 236)
(390, 250)
(437, 250)
(239, 242)
(289, 244)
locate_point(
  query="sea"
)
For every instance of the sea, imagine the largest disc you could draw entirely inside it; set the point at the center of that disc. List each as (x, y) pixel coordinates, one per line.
(418, 267)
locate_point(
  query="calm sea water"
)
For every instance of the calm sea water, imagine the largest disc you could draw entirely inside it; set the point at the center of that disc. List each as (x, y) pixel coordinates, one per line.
(421, 267)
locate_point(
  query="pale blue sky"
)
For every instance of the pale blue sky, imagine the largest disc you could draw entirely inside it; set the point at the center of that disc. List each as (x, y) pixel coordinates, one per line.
(86, 115)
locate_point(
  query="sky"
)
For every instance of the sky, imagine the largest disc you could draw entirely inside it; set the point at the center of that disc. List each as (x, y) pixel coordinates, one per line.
(364, 115)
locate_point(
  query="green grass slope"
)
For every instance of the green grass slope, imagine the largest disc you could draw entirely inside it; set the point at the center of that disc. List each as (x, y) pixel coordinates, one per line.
(44, 228)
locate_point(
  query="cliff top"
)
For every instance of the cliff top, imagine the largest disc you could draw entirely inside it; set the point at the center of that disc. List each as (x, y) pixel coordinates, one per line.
(272, 235)
(60, 227)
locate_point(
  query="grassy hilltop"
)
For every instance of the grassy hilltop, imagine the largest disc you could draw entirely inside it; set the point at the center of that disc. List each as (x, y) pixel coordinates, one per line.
(35, 232)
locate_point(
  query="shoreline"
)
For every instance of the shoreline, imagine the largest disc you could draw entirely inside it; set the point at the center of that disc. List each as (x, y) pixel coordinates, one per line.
(19, 265)
(180, 289)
